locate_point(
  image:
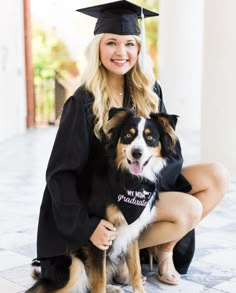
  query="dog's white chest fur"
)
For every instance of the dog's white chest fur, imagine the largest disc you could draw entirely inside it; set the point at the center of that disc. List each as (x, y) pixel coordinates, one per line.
(127, 233)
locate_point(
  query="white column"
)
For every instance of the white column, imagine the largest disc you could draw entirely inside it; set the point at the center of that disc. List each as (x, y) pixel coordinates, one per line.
(218, 132)
(12, 70)
(180, 58)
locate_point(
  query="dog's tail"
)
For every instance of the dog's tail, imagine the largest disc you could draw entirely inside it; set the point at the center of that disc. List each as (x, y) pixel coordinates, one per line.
(75, 278)
(42, 285)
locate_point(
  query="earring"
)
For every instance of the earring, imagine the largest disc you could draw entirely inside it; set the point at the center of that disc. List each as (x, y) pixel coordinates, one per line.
(99, 63)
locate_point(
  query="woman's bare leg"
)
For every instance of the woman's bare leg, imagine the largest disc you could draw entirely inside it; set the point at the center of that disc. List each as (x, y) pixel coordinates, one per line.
(183, 212)
(177, 213)
(209, 184)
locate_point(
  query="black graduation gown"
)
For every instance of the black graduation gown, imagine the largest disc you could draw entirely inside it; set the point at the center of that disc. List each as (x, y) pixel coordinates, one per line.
(65, 223)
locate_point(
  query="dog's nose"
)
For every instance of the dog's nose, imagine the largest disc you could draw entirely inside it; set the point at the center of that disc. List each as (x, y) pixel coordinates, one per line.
(137, 153)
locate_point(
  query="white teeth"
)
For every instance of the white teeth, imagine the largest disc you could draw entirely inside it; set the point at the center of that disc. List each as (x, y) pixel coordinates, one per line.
(119, 61)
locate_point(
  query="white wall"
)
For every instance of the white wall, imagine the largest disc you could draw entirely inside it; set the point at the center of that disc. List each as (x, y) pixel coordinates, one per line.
(12, 70)
(180, 58)
(218, 134)
(197, 65)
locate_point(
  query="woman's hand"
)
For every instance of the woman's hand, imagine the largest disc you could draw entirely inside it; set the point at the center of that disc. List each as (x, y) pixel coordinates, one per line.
(103, 235)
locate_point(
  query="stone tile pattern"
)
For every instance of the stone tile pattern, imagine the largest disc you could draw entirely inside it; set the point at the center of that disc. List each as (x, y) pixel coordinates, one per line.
(23, 161)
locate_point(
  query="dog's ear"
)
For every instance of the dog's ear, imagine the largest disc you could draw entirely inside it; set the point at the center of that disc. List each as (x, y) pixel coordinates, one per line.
(166, 119)
(112, 129)
(172, 118)
(166, 124)
(114, 111)
(116, 117)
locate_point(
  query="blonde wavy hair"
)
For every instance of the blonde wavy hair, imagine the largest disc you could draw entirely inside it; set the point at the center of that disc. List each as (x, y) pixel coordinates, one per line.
(95, 79)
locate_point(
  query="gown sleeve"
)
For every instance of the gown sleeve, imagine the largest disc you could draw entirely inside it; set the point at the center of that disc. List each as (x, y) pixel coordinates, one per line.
(171, 177)
(64, 222)
(173, 180)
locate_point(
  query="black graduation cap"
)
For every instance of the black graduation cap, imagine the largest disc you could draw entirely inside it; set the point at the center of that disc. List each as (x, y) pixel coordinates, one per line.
(119, 17)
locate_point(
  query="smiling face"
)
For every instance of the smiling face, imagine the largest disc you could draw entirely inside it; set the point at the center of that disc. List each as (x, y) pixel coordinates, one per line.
(118, 53)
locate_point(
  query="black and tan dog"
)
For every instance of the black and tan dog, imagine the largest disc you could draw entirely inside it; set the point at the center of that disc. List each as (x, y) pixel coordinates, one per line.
(137, 149)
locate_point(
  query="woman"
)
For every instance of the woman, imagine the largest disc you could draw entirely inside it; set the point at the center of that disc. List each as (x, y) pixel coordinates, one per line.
(114, 78)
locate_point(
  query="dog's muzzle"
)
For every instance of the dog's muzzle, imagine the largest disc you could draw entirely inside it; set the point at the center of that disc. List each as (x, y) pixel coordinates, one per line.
(135, 166)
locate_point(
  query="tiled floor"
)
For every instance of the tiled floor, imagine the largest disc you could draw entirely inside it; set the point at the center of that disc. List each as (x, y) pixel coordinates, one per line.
(23, 162)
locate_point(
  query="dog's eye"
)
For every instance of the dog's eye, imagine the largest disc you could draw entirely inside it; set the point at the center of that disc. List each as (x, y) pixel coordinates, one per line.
(128, 135)
(149, 138)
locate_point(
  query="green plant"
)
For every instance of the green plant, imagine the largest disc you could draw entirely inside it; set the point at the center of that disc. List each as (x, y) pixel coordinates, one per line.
(50, 57)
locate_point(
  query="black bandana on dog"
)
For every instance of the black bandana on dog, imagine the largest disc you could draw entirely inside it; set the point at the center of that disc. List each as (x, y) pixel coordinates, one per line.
(132, 198)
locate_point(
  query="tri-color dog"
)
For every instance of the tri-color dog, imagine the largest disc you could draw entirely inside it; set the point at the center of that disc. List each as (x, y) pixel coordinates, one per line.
(137, 149)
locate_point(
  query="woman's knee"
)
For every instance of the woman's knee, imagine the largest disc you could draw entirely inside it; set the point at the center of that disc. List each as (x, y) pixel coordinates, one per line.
(192, 215)
(184, 210)
(220, 177)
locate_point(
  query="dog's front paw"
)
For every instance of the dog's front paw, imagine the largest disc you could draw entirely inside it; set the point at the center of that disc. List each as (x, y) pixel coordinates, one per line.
(139, 289)
(142, 290)
(113, 289)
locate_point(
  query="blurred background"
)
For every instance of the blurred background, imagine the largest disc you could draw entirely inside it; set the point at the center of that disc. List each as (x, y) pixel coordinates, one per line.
(192, 44)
